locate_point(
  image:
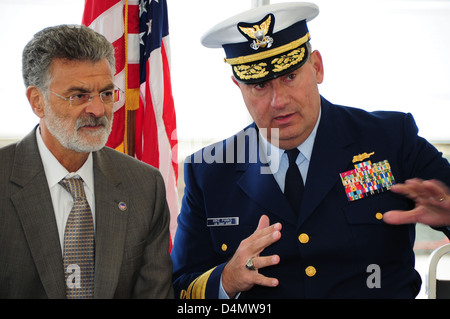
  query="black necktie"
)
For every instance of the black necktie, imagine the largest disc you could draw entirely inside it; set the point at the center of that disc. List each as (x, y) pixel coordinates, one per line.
(293, 186)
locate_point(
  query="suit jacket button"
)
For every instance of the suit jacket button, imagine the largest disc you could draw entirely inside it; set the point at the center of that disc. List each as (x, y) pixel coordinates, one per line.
(379, 216)
(303, 238)
(310, 271)
(224, 247)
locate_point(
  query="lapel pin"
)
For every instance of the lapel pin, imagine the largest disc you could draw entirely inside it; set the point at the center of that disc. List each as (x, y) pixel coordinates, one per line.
(122, 206)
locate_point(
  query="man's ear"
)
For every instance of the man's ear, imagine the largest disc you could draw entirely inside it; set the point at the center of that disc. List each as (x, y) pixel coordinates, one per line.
(36, 100)
(316, 60)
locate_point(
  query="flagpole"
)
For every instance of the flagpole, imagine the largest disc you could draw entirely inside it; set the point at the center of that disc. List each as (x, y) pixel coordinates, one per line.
(131, 132)
(132, 99)
(259, 3)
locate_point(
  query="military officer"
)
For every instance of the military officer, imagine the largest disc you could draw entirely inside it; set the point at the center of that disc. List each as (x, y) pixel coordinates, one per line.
(312, 200)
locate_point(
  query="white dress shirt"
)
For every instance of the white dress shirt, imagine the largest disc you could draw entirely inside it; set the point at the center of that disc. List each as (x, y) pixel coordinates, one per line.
(61, 199)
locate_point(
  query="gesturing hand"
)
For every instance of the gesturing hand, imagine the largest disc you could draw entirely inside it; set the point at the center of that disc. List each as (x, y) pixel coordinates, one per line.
(432, 200)
(235, 276)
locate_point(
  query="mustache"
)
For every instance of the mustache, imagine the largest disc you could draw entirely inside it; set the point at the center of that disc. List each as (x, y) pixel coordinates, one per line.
(90, 120)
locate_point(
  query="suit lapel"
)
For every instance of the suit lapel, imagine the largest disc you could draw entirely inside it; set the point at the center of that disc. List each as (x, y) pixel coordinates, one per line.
(34, 207)
(111, 225)
(264, 190)
(331, 155)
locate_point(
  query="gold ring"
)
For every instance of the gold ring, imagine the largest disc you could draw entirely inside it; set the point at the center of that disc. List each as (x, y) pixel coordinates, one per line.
(249, 265)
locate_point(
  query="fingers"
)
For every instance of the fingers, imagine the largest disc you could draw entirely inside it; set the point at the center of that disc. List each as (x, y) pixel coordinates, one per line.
(264, 236)
(263, 222)
(265, 261)
(399, 217)
(259, 263)
(436, 190)
(261, 280)
(431, 216)
(429, 192)
(411, 188)
(235, 276)
(432, 199)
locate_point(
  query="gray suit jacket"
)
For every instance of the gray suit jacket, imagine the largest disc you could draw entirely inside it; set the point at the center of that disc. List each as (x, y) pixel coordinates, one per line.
(131, 247)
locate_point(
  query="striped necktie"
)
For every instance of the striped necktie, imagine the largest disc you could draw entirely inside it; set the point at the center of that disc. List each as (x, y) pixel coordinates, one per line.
(78, 243)
(293, 186)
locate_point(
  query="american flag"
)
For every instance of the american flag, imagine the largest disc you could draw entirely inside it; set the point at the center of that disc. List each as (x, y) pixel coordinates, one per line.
(139, 31)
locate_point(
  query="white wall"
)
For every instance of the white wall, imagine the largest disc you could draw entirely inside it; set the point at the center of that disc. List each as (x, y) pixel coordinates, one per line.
(19, 20)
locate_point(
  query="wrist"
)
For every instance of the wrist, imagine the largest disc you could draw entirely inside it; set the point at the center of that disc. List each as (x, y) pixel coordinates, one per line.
(227, 283)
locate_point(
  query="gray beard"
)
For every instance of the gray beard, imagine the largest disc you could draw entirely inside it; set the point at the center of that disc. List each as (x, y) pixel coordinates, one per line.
(70, 138)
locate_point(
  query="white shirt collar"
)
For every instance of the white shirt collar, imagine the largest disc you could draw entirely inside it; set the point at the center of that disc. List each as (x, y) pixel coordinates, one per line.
(55, 172)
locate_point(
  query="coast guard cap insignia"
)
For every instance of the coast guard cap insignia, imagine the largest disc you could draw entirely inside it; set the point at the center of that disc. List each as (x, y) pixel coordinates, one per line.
(258, 32)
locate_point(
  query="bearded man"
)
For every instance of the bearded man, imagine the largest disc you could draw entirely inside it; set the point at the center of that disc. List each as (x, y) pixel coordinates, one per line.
(77, 219)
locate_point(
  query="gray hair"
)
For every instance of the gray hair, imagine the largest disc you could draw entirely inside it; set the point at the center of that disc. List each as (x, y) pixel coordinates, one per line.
(71, 42)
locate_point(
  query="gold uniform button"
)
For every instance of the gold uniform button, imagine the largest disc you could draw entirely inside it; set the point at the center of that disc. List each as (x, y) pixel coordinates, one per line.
(379, 216)
(303, 238)
(310, 271)
(224, 247)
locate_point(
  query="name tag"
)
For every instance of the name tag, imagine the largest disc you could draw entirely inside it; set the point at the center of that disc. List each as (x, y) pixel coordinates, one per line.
(222, 221)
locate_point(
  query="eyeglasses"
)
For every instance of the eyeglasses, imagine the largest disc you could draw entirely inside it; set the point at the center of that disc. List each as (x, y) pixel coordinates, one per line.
(107, 97)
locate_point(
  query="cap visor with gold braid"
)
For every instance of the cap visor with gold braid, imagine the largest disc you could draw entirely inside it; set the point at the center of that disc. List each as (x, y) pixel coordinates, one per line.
(265, 42)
